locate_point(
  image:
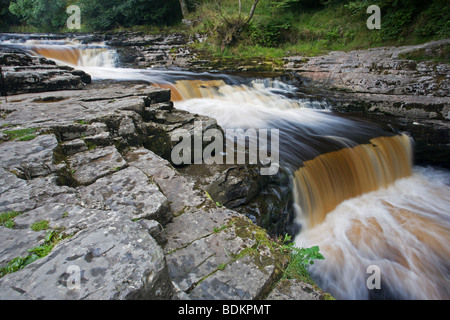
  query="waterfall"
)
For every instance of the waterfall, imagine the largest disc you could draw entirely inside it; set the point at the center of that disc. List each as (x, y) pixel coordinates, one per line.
(331, 178)
(357, 193)
(69, 52)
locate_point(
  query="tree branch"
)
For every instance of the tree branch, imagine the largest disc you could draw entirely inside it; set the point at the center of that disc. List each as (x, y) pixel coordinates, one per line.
(252, 12)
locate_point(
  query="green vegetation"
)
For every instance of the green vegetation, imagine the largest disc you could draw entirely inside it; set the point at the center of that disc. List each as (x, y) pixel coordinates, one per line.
(441, 55)
(292, 262)
(40, 225)
(7, 219)
(307, 27)
(96, 15)
(21, 134)
(108, 14)
(299, 260)
(40, 13)
(52, 238)
(244, 29)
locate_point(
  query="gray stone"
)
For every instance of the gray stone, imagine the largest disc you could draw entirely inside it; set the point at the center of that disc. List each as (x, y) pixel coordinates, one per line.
(112, 259)
(74, 146)
(176, 188)
(89, 166)
(24, 73)
(241, 280)
(19, 195)
(155, 229)
(295, 290)
(237, 186)
(129, 192)
(29, 159)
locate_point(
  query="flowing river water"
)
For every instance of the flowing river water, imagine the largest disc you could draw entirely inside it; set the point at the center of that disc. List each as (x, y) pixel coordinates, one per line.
(358, 194)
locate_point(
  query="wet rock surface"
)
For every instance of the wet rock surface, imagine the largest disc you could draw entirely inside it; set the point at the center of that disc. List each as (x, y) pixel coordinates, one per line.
(24, 73)
(128, 224)
(407, 87)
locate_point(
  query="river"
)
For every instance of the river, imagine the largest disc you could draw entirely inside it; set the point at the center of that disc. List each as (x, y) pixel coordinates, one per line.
(358, 194)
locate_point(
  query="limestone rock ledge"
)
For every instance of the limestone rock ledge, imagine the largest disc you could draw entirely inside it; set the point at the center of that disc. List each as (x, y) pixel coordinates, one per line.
(92, 171)
(25, 73)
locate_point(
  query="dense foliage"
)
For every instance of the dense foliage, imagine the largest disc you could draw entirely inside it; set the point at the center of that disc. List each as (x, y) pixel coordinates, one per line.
(40, 13)
(6, 18)
(425, 18)
(96, 15)
(107, 14)
(288, 25)
(310, 27)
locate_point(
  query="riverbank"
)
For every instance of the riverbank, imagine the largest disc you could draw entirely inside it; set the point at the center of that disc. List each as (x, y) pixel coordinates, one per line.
(117, 220)
(407, 86)
(81, 146)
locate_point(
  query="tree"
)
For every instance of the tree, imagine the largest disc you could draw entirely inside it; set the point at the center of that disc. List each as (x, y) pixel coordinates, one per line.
(232, 27)
(184, 9)
(42, 14)
(108, 14)
(6, 18)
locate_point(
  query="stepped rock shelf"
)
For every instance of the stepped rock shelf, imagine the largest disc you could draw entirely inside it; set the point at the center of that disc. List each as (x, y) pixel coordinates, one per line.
(126, 220)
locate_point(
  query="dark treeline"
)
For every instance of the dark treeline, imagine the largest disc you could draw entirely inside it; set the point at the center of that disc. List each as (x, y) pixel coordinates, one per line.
(273, 24)
(97, 15)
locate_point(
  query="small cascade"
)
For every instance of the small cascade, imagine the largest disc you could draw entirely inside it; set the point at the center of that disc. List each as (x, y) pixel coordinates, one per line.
(100, 57)
(331, 178)
(357, 194)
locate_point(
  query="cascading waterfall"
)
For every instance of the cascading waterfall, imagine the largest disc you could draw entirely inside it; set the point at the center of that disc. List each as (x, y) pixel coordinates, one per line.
(358, 195)
(329, 179)
(67, 51)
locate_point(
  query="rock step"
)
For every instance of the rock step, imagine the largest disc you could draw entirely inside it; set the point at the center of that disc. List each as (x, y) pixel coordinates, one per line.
(116, 200)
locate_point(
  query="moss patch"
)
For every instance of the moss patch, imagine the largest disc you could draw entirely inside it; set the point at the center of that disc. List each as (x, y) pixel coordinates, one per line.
(40, 225)
(52, 238)
(7, 219)
(288, 261)
(21, 134)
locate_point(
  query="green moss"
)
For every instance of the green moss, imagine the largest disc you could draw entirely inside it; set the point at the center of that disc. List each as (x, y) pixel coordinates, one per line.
(40, 225)
(441, 54)
(52, 238)
(28, 137)
(7, 219)
(21, 134)
(289, 262)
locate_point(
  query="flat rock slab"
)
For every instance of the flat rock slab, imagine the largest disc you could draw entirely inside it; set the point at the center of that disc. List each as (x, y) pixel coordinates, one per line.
(20, 195)
(175, 187)
(29, 158)
(112, 259)
(129, 192)
(24, 73)
(91, 165)
(295, 290)
(241, 280)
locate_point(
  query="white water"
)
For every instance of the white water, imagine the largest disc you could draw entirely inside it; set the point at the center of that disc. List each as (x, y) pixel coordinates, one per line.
(403, 229)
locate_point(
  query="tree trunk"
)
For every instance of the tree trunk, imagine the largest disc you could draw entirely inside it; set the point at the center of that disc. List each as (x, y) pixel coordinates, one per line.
(252, 11)
(184, 9)
(235, 27)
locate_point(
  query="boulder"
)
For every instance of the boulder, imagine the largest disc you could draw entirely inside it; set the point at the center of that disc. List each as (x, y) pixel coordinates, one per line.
(112, 259)
(129, 192)
(24, 73)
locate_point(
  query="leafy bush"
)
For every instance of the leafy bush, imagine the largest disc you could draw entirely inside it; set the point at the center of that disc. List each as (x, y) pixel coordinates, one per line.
(6, 18)
(435, 20)
(403, 18)
(269, 33)
(300, 259)
(107, 14)
(43, 14)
